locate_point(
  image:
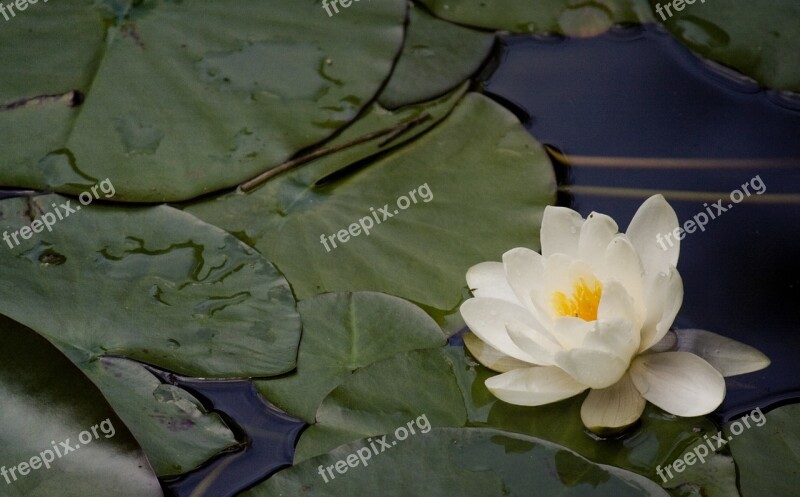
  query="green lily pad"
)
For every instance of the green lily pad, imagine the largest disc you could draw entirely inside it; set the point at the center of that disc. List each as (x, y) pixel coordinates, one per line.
(174, 429)
(480, 183)
(768, 452)
(175, 88)
(386, 394)
(341, 333)
(760, 42)
(436, 57)
(154, 284)
(381, 396)
(464, 462)
(658, 439)
(572, 18)
(52, 412)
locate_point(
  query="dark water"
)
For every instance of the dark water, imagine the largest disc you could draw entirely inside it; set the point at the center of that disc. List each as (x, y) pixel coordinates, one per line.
(637, 94)
(270, 435)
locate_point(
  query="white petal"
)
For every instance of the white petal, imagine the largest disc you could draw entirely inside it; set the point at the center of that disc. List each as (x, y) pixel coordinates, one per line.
(491, 357)
(726, 355)
(615, 407)
(561, 231)
(488, 279)
(647, 231)
(593, 368)
(615, 336)
(487, 318)
(678, 382)
(570, 331)
(533, 386)
(663, 296)
(616, 303)
(538, 344)
(596, 233)
(524, 271)
(622, 263)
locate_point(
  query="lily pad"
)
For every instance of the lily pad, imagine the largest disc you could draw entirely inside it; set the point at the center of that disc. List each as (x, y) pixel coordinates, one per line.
(154, 284)
(760, 42)
(658, 439)
(572, 18)
(231, 92)
(50, 410)
(480, 183)
(174, 429)
(464, 462)
(768, 452)
(436, 57)
(386, 394)
(341, 333)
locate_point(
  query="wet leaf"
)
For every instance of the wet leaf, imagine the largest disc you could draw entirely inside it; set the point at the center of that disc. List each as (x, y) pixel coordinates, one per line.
(174, 429)
(47, 401)
(486, 183)
(383, 395)
(560, 16)
(436, 57)
(464, 462)
(154, 284)
(760, 42)
(184, 98)
(341, 333)
(767, 453)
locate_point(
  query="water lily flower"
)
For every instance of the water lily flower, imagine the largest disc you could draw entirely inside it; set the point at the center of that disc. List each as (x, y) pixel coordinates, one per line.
(593, 312)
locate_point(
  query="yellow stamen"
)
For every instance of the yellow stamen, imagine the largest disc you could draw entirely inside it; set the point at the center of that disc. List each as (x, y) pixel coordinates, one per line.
(583, 302)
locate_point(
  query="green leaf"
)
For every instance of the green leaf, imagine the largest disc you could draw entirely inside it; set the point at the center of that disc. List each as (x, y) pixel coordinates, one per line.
(185, 98)
(488, 183)
(174, 429)
(386, 394)
(154, 284)
(436, 57)
(760, 42)
(341, 333)
(560, 16)
(47, 401)
(464, 462)
(657, 440)
(767, 453)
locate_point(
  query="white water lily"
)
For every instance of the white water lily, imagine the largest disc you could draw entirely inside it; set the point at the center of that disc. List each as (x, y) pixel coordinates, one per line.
(586, 313)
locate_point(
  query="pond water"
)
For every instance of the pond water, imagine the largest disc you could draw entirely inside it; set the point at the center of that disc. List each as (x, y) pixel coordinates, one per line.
(623, 112)
(627, 109)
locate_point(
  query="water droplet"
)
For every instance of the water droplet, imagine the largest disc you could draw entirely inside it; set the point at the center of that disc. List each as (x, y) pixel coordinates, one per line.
(585, 21)
(285, 69)
(59, 169)
(137, 137)
(44, 254)
(701, 33)
(165, 393)
(173, 344)
(51, 257)
(215, 304)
